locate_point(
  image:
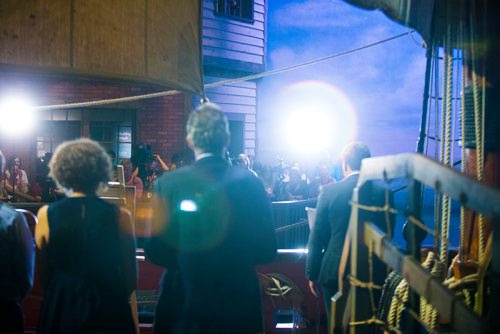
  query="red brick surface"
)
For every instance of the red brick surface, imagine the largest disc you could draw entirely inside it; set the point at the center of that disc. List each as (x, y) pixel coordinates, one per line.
(159, 121)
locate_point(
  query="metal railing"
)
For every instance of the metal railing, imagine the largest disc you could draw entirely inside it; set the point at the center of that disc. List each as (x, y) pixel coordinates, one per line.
(290, 223)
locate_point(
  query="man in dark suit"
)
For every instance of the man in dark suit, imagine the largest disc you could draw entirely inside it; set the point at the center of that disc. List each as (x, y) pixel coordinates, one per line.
(212, 225)
(333, 212)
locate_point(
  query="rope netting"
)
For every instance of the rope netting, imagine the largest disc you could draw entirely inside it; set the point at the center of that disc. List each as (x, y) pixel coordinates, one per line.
(387, 316)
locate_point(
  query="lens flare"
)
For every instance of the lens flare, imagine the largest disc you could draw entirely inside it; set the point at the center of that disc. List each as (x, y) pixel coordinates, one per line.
(17, 116)
(317, 117)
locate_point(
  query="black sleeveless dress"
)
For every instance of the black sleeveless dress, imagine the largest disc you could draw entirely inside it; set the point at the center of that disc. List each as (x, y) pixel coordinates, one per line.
(91, 269)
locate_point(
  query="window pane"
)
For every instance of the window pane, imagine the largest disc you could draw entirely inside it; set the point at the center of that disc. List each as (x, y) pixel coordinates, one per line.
(96, 133)
(54, 145)
(58, 131)
(59, 115)
(107, 146)
(74, 115)
(112, 128)
(125, 134)
(108, 134)
(45, 116)
(124, 150)
(73, 132)
(45, 131)
(42, 147)
(61, 131)
(235, 8)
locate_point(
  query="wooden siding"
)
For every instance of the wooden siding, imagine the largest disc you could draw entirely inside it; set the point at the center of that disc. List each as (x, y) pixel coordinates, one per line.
(226, 38)
(238, 98)
(148, 40)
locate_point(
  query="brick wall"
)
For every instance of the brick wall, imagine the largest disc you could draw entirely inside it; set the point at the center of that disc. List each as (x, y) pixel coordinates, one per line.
(159, 121)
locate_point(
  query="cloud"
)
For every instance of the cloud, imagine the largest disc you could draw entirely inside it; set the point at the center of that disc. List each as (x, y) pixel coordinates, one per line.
(320, 14)
(285, 56)
(384, 82)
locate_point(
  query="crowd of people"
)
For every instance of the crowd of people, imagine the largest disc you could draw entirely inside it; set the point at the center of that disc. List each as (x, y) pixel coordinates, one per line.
(141, 171)
(283, 181)
(207, 218)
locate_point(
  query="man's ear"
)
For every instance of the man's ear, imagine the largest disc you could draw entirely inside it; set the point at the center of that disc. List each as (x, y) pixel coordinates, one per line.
(344, 167)
(189, 141)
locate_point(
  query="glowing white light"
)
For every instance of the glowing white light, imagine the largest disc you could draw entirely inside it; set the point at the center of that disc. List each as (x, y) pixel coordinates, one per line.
(293, 251)
(188, 205)
(17, 116)
(284, 325)
(317, 116)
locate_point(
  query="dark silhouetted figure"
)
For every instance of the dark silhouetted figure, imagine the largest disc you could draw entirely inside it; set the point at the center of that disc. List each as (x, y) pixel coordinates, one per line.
(212, 226)
(16, 266)
(86, 251)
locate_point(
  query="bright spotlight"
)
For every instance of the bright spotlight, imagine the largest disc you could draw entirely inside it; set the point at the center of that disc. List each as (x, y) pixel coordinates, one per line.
(318, 117)
(17, 116)
(309, 131)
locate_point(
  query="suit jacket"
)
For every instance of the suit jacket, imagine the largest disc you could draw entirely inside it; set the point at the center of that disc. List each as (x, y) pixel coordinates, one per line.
(216, 227)
(16, 263)
(327, 237)
(16, 255)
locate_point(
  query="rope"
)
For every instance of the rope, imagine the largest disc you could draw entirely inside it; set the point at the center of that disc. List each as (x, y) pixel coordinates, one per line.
(436, 103)
(453, 283)
(479, 116)
(462, 168)
(106, 101)
(429, 106)
(445, 156)
(467, 297)
(417, 318)
(414, 220)
(397, 304)
(372, 208)
(220, 83)
(424, 305)
(478, 135)
(432, 317)
(437, 198)
(483, 265)
(371, 321)
(360, 284)
(428, 313)
(479, 155)
(386, 208)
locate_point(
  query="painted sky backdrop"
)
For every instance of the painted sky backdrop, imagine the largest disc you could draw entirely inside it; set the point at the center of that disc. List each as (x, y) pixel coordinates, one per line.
(384, 83)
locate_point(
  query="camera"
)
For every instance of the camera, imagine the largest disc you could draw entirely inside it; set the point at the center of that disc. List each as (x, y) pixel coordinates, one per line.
(280, 166)
(236, 161)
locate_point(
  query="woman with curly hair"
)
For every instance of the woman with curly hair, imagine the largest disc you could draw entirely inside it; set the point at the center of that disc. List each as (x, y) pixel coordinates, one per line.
(86, 250)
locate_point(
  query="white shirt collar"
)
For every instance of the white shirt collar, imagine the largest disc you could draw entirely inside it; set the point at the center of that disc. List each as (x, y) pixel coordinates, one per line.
(204, 155)
(355, 172)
